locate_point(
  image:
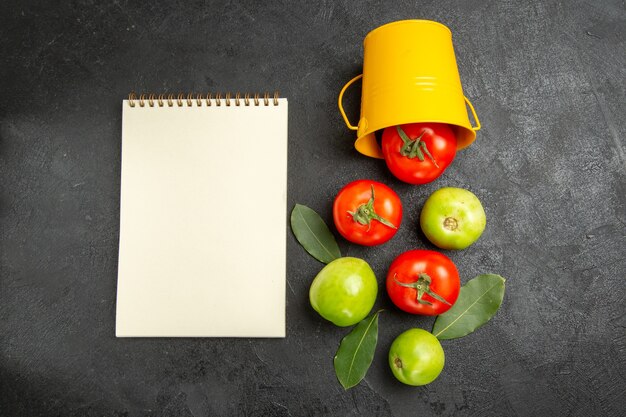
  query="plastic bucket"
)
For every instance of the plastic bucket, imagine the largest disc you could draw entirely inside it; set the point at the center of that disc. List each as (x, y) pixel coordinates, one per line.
(409, 75)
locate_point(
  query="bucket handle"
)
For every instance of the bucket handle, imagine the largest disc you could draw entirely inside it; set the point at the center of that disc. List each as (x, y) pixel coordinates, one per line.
(469, 103)
(340, 102)
(358, 77)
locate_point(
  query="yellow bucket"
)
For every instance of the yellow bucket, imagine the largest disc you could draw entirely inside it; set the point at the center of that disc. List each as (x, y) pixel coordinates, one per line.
(409, 76)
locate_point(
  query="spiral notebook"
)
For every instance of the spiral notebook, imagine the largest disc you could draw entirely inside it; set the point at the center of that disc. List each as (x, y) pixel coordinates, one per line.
(203, 216)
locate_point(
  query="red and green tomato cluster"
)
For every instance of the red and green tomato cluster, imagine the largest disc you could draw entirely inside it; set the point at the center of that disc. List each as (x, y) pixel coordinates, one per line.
(422, 282)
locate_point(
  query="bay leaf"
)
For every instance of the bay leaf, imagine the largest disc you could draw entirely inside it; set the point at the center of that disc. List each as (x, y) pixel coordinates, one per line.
(356, 352)
(478, 301)
(313, 234)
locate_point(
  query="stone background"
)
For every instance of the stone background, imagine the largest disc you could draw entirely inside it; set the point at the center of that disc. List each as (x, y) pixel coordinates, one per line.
(547, 79)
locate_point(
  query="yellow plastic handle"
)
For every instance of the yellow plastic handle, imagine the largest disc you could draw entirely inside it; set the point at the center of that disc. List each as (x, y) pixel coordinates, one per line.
(469, 103)
(340, 102)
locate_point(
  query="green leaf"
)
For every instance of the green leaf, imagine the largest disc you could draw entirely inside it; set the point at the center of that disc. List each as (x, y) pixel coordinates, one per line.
(478, 301)
(356, 352)
(313, 234)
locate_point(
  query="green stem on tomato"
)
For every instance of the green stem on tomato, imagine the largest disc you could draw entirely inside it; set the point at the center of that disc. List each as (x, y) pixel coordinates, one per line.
(414, 148)
(422, 285)
(365, 213)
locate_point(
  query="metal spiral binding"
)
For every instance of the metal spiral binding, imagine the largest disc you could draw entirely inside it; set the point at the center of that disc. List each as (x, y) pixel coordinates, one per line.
(200, 100)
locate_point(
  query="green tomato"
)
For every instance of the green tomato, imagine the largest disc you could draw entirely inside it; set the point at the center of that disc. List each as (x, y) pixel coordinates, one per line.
(344, 291)
(453, 218)
(416, 357)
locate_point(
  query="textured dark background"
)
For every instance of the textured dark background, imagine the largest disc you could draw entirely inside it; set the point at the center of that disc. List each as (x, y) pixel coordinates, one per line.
(548, 81)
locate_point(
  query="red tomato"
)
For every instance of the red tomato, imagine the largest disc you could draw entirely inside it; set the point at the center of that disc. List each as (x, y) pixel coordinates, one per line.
(423, 282)
(418, 153)
(367, 212)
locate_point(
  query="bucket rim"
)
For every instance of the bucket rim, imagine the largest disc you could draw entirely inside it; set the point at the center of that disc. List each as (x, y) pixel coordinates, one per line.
(460, 144)
(399, 22)
(443, 122)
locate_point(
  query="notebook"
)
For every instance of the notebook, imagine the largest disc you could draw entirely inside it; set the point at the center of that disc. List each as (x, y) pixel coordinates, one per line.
(203, 216)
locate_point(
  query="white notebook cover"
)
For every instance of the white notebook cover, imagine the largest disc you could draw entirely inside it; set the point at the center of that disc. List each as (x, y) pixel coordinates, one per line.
(202, 221)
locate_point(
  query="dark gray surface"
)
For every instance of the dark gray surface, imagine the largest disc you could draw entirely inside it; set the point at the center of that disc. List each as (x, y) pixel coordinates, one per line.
(548, 81)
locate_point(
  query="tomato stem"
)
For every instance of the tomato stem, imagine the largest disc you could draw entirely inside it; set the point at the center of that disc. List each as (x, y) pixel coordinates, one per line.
(414, 148)
(422, 285)
(365, 213)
